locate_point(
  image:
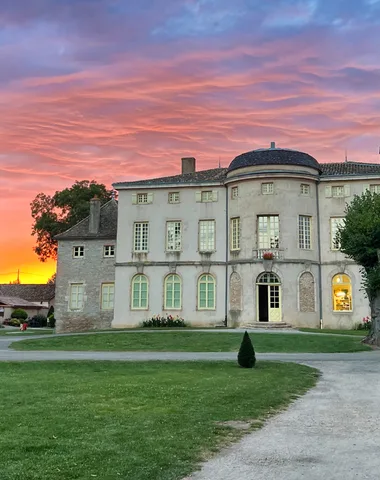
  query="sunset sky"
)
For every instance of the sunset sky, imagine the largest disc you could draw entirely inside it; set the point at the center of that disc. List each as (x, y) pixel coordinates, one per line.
(117, 90)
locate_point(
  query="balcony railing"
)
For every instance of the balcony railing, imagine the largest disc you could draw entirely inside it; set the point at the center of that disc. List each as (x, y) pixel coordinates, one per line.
(276, 252)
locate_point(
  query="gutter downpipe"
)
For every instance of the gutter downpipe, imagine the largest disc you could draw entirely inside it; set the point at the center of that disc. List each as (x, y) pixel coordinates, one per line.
(226, 273)
(319, 261)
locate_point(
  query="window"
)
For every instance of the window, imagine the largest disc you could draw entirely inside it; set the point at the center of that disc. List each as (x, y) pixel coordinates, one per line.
(206, 196)
(305, 189)
(109, 251)
(375, 188)
(335, 222)
(141, 237)
(337, 191)
(78, 252)
(342, 293)
(304, 232)
(206, 235)
(142, 198)
(267, 188)
(173, 236)
(206, 292)
(173, 197)
(108, 293)
(235, 233)
(76, 296)
(139, 292)
(173, 292)
(268, 231)
(234, 192)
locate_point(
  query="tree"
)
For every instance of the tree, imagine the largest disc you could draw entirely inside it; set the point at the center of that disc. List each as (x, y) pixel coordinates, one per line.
(359, 239)
(55, 214)
(246, 355)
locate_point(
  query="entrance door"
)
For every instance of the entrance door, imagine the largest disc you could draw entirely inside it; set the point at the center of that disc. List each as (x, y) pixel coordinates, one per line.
(268, 298)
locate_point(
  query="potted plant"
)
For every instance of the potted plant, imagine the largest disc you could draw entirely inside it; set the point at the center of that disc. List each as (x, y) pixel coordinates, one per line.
(268, 261)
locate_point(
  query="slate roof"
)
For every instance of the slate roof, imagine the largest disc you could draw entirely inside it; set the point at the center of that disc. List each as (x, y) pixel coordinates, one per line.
(16, 302)
(214, 175)
(349, 169)
(28, 292)
(273, 156)
(107, 227)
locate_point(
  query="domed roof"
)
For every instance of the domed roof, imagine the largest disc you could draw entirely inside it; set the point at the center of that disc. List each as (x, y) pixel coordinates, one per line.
(273, 156)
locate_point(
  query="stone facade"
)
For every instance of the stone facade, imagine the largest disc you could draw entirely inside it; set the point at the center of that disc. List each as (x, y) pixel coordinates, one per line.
(307, 292)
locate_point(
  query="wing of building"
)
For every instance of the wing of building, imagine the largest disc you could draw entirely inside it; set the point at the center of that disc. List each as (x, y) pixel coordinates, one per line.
(248, 244)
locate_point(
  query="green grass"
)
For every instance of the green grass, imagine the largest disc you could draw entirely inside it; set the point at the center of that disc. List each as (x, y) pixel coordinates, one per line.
(135, 421)
(359, 333)
(181, 341)
(16, 332)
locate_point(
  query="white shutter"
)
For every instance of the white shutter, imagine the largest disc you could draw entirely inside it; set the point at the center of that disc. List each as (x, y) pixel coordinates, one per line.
(198, 196)
(347, 191)
(365, 187)
(134, 198)
(214, 195)
(150, 197)
(328, 192)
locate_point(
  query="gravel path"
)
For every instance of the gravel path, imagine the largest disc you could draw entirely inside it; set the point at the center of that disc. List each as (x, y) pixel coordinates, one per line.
(330, 433)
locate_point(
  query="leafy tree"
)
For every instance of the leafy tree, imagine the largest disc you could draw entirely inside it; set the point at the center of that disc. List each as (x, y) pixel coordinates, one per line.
(359, 238)
(246, 355)
(57, 213)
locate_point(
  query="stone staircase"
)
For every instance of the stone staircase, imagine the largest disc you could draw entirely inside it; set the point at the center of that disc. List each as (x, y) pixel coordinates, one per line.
(266, 325)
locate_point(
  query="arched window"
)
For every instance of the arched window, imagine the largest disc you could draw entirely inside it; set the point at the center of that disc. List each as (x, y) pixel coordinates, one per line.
(342, 293)
(139, 292)
(268, 278)
(173, 293)
(206, 292)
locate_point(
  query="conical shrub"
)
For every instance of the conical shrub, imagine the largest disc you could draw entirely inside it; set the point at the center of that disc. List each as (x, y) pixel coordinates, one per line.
(246, 355)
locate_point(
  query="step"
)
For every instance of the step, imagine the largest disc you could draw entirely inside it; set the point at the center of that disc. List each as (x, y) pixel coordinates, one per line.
(266, 325)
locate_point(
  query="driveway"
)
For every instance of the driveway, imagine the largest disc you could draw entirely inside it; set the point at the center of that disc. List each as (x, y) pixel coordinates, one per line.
(331, 433)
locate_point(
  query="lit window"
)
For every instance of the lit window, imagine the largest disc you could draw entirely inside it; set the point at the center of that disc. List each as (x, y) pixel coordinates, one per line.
(342, 293)
(173, 197)
(76, 296)
(173, 292)
(207, 196)
(141, 237)
(142, 198)
(375, 188)
(304, 232)
(207, 235)
(335, 222)
(173, 236)
(108, 293)
(109, 250)
(78, 252)
(139, 292)
(268, 231)
(305, 189)
(267, 188)
(206, 292)
(235, 233)
(234, 192)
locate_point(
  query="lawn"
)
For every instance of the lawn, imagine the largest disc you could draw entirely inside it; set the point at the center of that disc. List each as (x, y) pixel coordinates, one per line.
(182, 341)
(359, 333)
(9, 332)
(137, 421)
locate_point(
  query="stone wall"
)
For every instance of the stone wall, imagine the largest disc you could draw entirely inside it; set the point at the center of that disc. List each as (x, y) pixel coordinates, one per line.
(307, 292)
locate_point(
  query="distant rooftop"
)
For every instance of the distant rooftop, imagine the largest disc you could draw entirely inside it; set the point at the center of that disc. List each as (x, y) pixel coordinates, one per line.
(39, 292)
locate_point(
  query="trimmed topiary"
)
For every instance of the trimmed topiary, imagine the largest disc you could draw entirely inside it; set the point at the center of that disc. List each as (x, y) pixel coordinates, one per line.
(246, 355)
(20, 314)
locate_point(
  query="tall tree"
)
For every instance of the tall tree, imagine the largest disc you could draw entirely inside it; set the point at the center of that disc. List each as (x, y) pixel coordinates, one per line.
(360, 240)
(57, 213)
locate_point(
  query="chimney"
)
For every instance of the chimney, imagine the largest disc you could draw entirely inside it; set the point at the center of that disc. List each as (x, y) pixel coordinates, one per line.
(272, 144)
(94, 215)
(188, 165)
